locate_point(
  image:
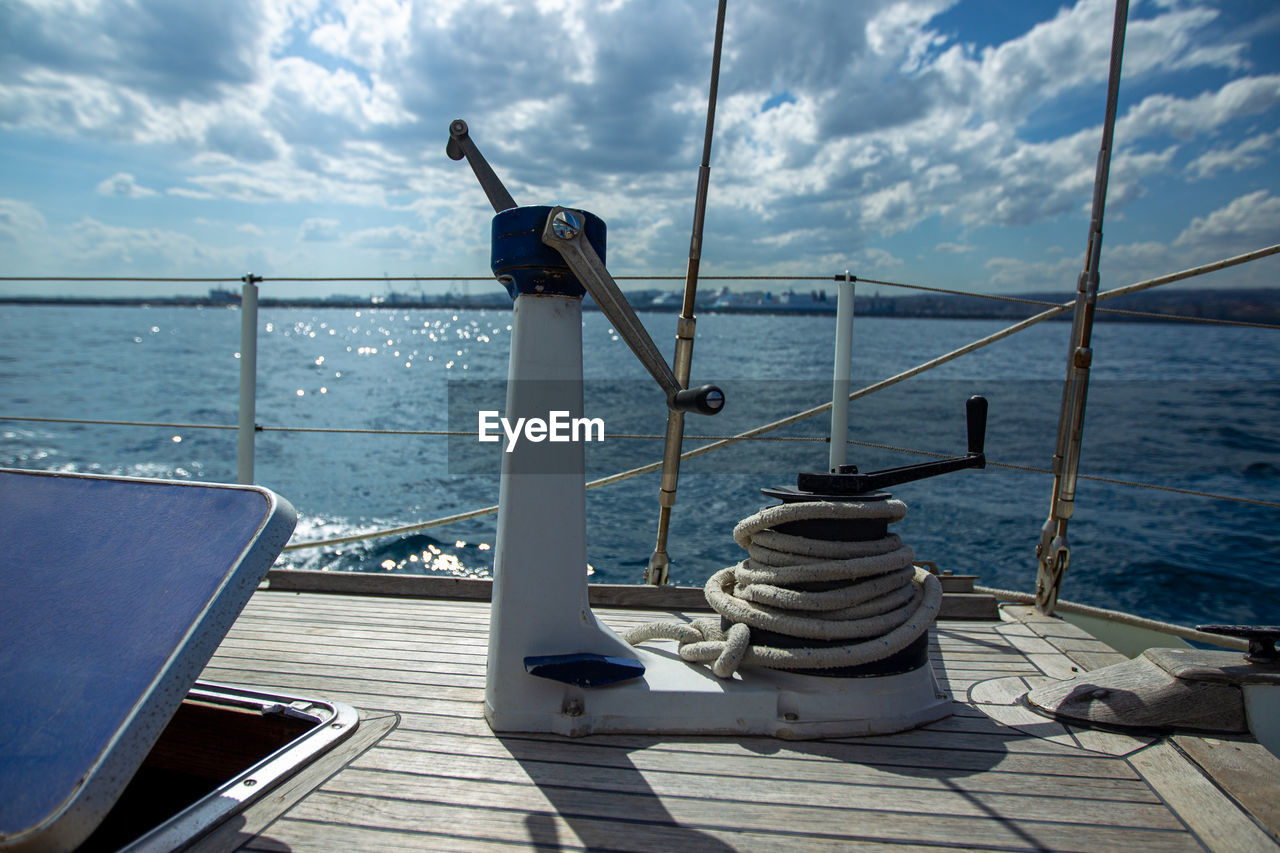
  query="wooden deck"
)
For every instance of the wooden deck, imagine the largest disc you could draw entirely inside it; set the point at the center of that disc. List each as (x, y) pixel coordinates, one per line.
(424, 772)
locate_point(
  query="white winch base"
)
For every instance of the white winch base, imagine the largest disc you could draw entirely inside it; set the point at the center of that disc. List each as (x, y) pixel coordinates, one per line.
(540, 604)
(677, 697)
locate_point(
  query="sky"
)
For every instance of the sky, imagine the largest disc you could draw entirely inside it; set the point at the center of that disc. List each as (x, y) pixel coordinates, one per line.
(950, 143)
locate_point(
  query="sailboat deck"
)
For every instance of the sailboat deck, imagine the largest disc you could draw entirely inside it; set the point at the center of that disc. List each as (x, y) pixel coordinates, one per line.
(424, 771)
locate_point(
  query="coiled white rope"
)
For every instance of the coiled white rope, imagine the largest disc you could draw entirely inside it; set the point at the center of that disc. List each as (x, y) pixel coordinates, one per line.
(883, 604)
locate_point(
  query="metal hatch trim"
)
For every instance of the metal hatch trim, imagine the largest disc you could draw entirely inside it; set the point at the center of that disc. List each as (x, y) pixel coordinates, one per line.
(335, 722)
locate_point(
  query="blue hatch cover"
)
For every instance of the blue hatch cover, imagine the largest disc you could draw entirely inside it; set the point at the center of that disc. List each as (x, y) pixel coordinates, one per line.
(116, 592)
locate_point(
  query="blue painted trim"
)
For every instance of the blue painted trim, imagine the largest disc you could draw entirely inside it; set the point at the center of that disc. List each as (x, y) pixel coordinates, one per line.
(584, 669)
(525, 265)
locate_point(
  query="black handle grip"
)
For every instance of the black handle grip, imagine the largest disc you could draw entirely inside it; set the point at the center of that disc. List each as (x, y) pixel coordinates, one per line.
(975, 411)
(705, 399)
(457, 130)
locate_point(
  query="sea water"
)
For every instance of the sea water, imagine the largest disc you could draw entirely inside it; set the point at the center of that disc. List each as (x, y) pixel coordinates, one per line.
(1174, 405)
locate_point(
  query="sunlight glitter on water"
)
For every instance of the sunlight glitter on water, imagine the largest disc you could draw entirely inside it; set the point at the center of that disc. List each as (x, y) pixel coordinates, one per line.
(383, 482)
(415, 553)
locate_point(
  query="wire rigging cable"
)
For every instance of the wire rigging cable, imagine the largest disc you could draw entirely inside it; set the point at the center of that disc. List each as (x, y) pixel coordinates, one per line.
(753, 434)
(993, 297)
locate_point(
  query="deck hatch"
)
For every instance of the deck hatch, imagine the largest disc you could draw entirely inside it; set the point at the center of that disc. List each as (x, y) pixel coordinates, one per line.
(117, 591)
(225, 748)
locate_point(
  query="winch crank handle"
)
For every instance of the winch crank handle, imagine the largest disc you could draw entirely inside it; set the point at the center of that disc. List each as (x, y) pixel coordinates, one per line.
(564, 232)
(459, 146)
(975, 412)
(848, 480)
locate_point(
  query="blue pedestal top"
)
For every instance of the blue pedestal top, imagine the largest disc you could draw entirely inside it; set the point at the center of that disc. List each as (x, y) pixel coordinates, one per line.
(524, 264)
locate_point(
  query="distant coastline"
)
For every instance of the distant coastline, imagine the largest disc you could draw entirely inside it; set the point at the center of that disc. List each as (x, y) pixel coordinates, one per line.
(1238, 305)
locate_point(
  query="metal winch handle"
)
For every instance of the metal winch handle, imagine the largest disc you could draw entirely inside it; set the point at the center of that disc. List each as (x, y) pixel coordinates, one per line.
(564, 233)
(459, 146)
(847, 481)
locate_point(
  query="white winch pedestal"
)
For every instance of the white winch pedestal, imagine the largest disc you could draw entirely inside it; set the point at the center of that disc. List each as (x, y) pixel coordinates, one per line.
(589, 679)
(540, 605)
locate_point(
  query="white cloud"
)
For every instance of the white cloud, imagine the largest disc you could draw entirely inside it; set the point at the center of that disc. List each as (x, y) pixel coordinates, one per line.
(1053, 56)
(880, 120)
(19, 221)
(893, 209)
(303, 93)
(368, 33)
(54, 102)
(171, 51)
(1185, 118)
(124, 184)
(1072, 50)
(187, 192)
(105, 249)
(1249, 222)
(393, 238)
(319, 230)
(876, 260)
(1015, 275)
(1133, 262)
(945, 140)
(1247, 154)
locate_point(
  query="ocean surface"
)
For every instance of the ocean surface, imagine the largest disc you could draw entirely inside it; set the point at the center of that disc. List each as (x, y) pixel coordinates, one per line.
(1175, 405)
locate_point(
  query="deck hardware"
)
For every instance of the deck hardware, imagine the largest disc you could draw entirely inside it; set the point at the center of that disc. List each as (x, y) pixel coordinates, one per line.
(827, 591)
(1053, 551)
(566, 224)
(584, 670)
(844, 516)
(657, 573)
(848, 482)
(841, 373)
(460, 146)
(548, 258)
(1262, 640)
(81, 744)
(564, 233)
(247, 427)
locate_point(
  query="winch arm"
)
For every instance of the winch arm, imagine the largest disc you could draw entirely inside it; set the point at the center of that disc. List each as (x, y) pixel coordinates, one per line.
(564, 233)
(847, 480)
(460, 146)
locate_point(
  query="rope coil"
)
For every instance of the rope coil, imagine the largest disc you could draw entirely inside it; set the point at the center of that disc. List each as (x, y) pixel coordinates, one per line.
(879, 605)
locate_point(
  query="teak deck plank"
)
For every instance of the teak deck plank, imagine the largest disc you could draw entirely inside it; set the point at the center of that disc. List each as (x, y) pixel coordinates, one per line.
(441, 780)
